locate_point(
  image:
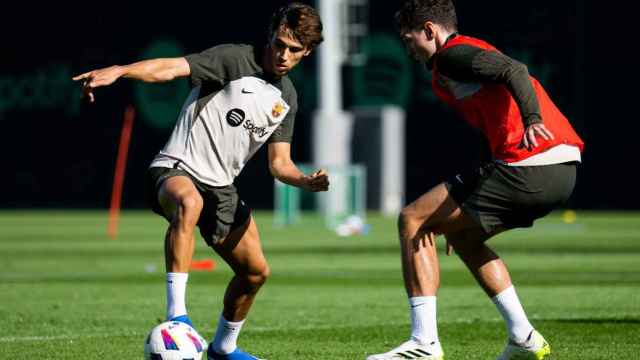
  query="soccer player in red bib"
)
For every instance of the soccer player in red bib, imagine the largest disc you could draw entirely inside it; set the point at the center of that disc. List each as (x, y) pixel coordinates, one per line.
(535, 154)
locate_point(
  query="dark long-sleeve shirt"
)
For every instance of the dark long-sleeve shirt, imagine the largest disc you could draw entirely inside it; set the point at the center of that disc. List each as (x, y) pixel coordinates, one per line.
(466, 63)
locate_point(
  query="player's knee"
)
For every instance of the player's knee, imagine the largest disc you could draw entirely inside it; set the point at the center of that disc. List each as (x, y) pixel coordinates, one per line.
(190, 207)
(408, 221)
(258, 277)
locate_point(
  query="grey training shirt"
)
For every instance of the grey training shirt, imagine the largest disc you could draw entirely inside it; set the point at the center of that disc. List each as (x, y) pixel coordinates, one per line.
(234, 108)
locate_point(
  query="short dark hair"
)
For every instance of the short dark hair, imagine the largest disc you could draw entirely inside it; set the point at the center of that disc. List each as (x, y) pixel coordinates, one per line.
(302, 20)
(414, 13)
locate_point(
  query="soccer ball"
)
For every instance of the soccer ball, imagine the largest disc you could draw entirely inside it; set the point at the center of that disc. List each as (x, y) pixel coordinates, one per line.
(174, 340)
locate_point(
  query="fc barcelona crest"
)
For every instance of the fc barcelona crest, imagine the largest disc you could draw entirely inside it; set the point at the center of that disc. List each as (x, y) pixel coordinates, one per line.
(278, 109)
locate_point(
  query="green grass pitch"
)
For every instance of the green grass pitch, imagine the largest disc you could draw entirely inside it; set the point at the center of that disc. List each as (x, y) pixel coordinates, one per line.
(68, 292)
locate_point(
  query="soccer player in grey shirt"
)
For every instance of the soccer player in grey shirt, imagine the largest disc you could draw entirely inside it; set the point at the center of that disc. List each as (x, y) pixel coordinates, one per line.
(241, 98)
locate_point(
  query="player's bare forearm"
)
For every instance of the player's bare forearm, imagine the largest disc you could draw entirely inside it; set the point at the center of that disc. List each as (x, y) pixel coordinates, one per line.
(287, 172)
(157, 70)
(283, 169)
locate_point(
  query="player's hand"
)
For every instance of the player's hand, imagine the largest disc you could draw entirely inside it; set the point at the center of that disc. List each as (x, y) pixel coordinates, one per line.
(318, 181)
(426, 239)
(96, 78)
(533, 131)
(449, 248)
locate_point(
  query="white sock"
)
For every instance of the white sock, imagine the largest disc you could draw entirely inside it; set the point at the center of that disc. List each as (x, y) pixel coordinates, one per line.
(518, 325)
(176, 289)
(424, 328)
(226, 336)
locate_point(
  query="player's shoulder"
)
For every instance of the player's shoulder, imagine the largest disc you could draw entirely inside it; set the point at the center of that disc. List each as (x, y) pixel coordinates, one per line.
(223, 53)
(287, 83)
(466, 41)
(233, 50)
(288, 89)
(461, 49)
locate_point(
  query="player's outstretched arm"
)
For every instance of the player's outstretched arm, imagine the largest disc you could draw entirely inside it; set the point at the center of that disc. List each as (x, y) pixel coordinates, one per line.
(283, 169)
(154, 70)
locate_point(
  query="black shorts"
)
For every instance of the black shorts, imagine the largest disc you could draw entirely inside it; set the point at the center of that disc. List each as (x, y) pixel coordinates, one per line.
(499, 196)
(222, 212)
